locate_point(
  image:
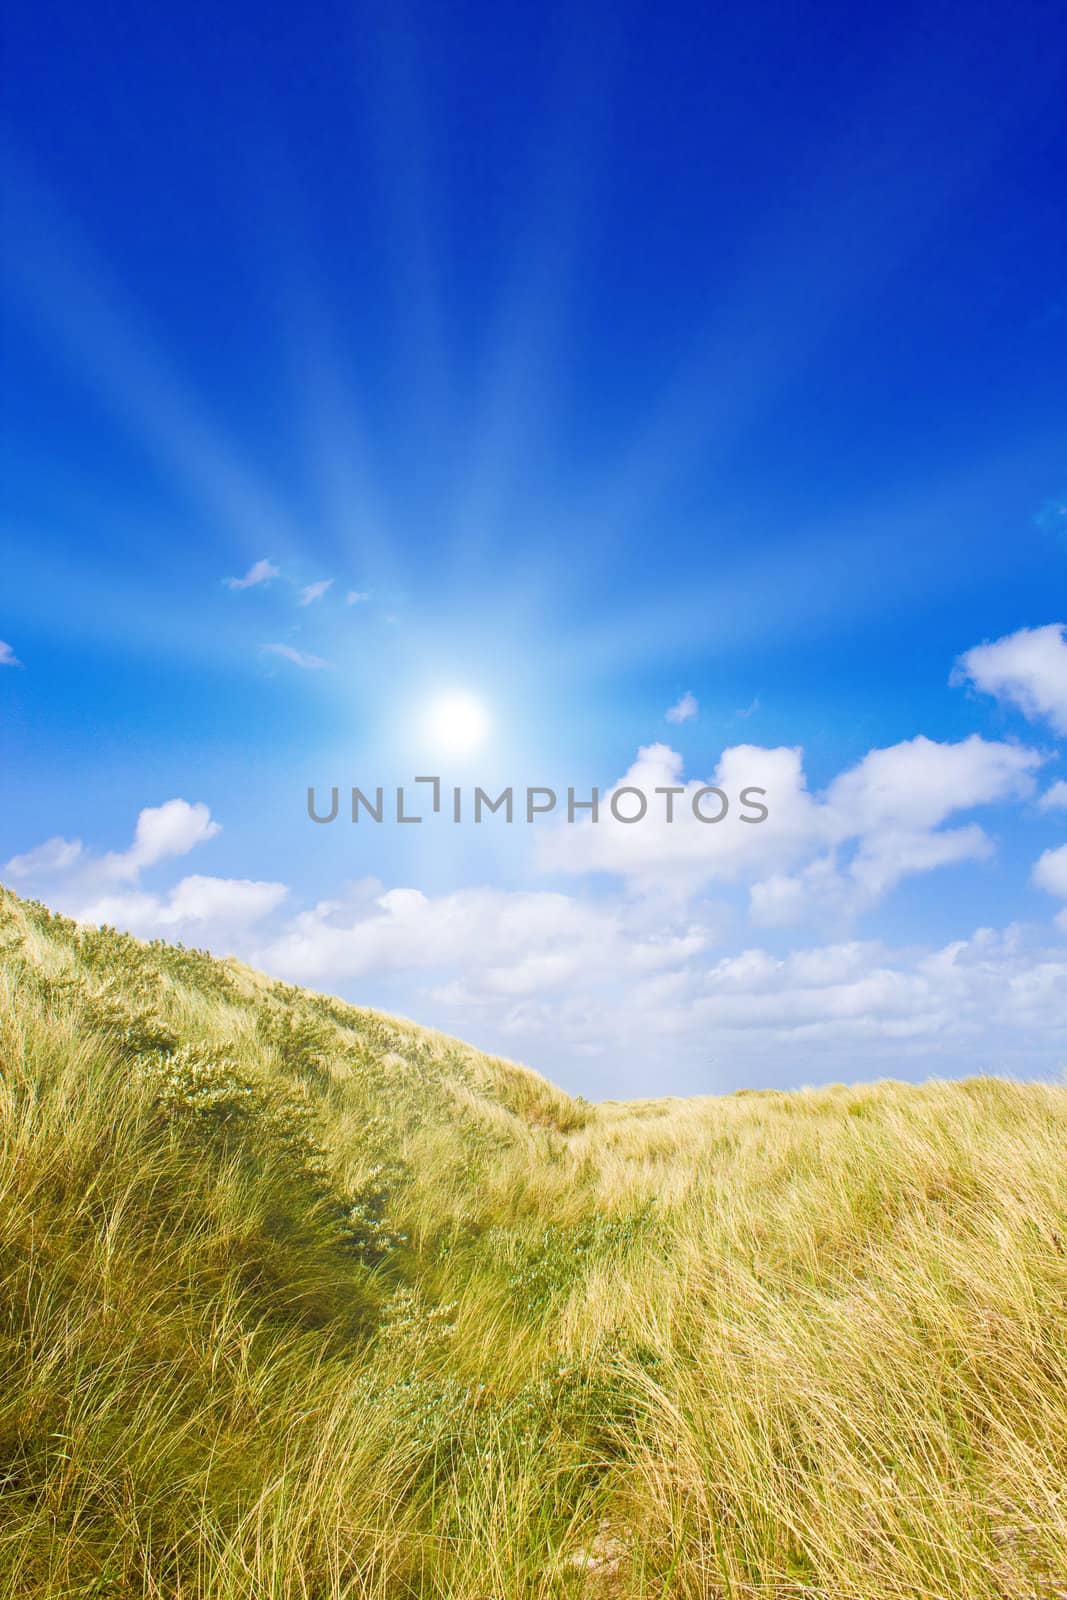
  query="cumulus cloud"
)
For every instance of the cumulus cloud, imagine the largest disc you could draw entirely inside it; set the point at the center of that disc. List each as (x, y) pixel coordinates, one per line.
(556, 978)
(918, 783)
(313, 591)
(514, 941)
(837, 851)
(881, 862)
(783, 899)
(172, 829)
(685, 709)
(1054, 799)
(106, 888)
(637, 973)
(647, 852)
(829, 889)
(259, 572)
(863, 990)
(299, 658)
(1027, 669)
(161, 833)
(8, 658)
(222, 905)
(1050, 872)
(636, 984)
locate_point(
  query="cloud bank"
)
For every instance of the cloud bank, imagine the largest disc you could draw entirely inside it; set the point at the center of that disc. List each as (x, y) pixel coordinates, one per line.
(664, 955)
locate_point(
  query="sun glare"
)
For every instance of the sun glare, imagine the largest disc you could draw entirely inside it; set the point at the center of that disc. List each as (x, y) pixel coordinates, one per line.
(457, 723)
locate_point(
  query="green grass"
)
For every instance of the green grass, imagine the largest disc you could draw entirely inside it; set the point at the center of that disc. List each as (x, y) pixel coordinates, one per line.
(298, 1300)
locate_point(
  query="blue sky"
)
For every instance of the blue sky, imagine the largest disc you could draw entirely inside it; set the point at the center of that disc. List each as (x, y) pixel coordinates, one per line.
(608, 355)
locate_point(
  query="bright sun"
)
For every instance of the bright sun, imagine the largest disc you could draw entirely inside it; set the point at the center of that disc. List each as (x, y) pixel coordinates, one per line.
(457, 723)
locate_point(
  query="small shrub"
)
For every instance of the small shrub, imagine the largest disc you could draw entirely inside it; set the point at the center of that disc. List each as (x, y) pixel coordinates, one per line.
(200, 1088)
(301, 1041)
(132, 1029)
(366, 1225)
(195, 969)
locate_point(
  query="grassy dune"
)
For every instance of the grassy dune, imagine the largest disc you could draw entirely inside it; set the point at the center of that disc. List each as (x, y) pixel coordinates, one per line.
(297, 1300)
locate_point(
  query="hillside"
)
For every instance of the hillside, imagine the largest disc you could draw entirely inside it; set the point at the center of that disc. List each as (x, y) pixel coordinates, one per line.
(299, 1300)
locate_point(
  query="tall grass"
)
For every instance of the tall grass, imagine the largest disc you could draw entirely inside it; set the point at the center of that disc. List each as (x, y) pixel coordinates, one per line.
(301, 1301)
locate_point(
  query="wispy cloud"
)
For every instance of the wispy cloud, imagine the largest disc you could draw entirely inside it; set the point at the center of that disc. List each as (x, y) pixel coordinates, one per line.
(55, 855)
(259, 572)
(299, 658)
(355, 596)
(8, 658)
(314, 591)
(687, 708)
(1052, 518)
(748, 711)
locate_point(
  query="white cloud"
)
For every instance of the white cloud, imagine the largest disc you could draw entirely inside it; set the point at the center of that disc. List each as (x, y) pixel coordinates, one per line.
(355, 597)
(646, 986)
(830, 890)
(687, 708)
(1054, 799)
(881, 862)
(222, 905)
(8, 658)
(863, 990)
(1050, 872)
(918, 783)
(639, 975)
(1028, 669)
(98, 889)
(260, 572)
(494, 941)
(644, 853)
(558, 979)
(172, 829)
(784, 899)
(836, 852)
(299, 658)
(223, 900)
(53, 856)
(313, 591)
(161, 833)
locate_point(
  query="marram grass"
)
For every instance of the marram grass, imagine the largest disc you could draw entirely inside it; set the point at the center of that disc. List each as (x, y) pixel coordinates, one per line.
(302, 1302)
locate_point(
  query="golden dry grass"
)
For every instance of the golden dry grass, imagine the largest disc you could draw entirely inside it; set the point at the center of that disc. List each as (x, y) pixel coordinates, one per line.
(300, 1301)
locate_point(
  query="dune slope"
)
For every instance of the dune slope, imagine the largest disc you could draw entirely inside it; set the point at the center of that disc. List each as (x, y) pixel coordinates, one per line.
(301, 1300)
